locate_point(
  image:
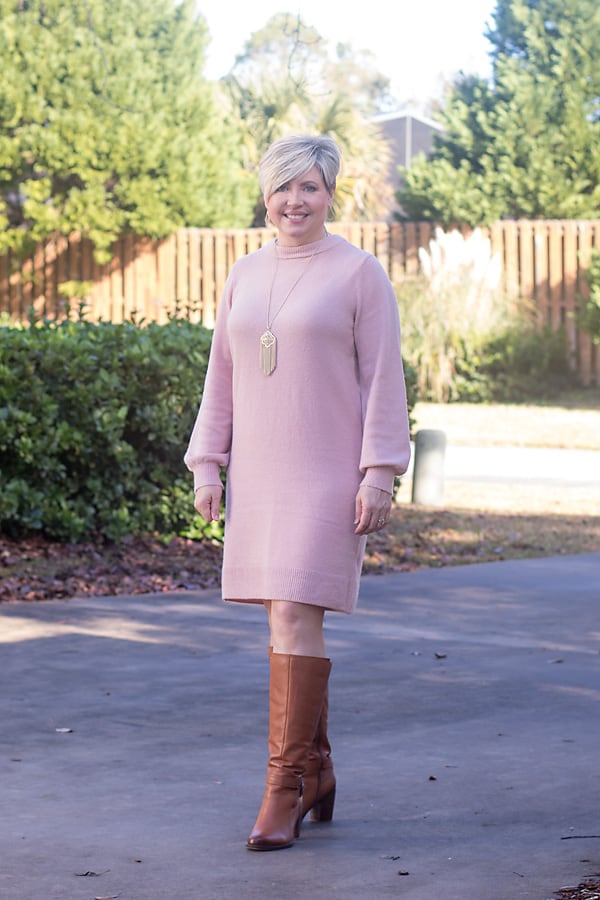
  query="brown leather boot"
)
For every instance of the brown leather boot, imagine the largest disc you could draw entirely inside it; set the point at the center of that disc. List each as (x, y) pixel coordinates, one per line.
(296, 691)
(318, 795)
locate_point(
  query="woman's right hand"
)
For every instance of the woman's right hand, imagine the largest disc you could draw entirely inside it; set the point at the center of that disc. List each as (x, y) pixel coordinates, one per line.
(207, 500)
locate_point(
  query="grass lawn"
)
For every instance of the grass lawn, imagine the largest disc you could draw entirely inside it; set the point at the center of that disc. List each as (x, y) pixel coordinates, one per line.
(572, 422)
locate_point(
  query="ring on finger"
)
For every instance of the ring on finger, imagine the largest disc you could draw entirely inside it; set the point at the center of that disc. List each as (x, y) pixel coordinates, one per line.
(381, 522)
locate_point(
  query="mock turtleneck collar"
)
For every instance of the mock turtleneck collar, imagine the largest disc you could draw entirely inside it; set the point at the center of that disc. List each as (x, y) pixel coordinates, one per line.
(284, 252)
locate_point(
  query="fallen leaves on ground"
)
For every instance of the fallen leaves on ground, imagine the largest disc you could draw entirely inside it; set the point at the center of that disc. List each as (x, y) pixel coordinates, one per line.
(419, 537)
(416, 537)
(39, 569)
(587, 890)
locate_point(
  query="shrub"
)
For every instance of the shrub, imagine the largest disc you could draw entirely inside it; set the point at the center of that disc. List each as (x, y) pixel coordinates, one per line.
(93, 422)
(525, 362)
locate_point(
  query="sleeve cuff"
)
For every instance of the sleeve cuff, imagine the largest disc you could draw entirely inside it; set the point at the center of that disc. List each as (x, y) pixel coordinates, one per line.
(381, 477)
(207, 473)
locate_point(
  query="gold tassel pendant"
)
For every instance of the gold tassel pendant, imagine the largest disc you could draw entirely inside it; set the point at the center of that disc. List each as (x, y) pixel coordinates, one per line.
(268, 352)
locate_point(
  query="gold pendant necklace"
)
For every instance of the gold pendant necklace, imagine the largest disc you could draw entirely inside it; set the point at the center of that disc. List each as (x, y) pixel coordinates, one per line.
(268, 341)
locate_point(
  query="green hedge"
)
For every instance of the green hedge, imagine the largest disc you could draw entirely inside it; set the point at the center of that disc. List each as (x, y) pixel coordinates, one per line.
(94, 421)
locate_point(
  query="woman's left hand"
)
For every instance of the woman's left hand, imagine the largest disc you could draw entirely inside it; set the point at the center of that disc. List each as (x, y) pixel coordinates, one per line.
(373, 508)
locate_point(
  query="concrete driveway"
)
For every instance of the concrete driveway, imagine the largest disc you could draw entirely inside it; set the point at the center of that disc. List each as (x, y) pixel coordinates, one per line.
(464, 721)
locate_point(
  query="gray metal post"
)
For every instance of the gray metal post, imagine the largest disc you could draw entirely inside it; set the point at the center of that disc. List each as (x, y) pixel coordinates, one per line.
(428, 467)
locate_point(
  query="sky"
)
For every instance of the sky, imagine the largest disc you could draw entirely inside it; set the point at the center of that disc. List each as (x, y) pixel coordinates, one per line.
(416, 43)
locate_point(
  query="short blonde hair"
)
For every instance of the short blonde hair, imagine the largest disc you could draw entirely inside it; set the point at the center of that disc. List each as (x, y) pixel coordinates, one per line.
(291, 157)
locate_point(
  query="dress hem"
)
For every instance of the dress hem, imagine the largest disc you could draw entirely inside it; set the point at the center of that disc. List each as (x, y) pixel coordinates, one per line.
(257, 602)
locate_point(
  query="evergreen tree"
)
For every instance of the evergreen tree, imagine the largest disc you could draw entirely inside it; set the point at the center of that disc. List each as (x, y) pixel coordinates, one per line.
(528, 144)
(107, 126)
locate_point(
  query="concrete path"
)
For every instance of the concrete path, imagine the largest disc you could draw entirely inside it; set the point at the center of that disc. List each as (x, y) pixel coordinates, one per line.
(520, 465)
(464, 718)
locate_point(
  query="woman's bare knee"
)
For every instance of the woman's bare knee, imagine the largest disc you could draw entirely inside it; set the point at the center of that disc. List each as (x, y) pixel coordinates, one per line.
(297, 628)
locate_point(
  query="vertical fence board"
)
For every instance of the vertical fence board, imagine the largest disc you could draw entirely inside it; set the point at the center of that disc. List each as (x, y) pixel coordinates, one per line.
(220, 262)
(195, 258)
(425, 233)
(411, 248)
(526, 274)
(165, 261)
(27, 286)
(253, 240)
(40, 298)
(61, 273)
(100, 298)
(368, 238)
(209, 291)
(585, 345)
(238, 245)
(5, 285)
(84, 298)
(48, 275)
(555, 275)
(509, 249)
(540, 244)
(382, 245)
(14, 288)
(116, 283)
(182, 291)
(569, 288)
(397, 252)
(130, 300)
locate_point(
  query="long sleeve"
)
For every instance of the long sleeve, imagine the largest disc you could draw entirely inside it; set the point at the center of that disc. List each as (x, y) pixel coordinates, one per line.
(210, 442)
(385, 448)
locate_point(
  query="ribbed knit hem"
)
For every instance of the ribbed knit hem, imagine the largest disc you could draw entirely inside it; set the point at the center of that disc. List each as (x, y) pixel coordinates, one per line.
(253, 585)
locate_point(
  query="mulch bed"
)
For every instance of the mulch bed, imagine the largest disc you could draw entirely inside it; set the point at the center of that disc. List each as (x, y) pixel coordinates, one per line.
(38, 569)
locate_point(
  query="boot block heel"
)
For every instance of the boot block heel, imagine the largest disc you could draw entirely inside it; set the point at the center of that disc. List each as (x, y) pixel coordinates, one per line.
(323, 810)
(298, 825)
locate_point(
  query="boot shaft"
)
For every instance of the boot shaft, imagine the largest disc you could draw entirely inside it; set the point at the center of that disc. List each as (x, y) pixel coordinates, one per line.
(298, 685)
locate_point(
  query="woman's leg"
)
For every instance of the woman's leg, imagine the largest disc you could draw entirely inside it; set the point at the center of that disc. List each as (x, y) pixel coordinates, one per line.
(296, 628)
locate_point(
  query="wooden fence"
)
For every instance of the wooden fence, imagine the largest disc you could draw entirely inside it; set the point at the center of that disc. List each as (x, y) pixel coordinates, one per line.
(543, 261)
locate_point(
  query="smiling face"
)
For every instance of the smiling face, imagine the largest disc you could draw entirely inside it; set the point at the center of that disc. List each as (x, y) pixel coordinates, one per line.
(298, 209)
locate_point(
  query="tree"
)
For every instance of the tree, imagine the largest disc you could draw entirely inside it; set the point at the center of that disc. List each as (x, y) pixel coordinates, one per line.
(107, 126)
(528, 144)
(286, 80)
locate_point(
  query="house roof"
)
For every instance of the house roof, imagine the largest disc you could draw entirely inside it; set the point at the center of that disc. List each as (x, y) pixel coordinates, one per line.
(407, 114)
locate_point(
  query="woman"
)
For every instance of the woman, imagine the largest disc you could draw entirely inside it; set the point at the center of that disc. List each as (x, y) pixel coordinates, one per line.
(305, 404)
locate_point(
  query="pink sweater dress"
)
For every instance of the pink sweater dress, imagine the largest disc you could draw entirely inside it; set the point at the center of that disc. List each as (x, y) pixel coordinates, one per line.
(298, 443)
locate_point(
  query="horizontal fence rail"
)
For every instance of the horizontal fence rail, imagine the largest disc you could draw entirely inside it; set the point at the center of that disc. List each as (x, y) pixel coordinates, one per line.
(544, 262)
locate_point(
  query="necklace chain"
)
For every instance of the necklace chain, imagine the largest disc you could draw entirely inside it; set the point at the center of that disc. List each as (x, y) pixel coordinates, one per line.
(285, 299)
(268, 341)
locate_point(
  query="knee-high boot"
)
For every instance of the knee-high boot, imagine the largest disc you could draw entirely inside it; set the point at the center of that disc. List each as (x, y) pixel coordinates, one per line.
(296, 691)
(318, 795)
